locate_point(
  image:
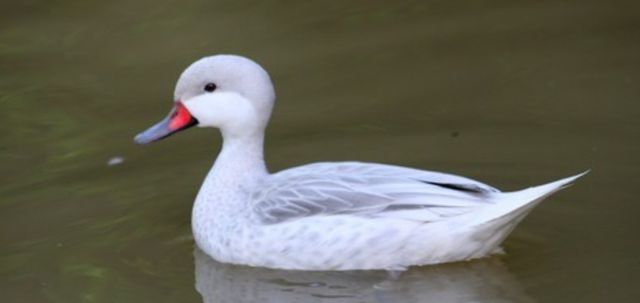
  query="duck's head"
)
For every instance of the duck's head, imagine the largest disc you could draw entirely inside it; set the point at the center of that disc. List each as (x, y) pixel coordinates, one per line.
(228, 92)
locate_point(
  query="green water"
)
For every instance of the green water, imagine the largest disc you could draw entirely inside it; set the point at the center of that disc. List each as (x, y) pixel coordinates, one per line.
(513, 93)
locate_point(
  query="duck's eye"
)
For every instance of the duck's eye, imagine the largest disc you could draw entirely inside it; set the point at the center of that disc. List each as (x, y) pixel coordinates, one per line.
(210, 87)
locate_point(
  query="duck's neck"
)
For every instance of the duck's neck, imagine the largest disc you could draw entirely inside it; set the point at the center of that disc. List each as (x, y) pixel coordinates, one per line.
(224, 195)
(241, 159)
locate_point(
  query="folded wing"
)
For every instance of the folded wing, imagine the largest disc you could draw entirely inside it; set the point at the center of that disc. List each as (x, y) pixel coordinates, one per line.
(368, 190)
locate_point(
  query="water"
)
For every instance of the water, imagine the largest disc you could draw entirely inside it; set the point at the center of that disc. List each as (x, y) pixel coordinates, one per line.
(510, 93)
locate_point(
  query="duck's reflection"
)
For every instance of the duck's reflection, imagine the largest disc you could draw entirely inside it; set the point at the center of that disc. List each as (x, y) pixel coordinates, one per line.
(480, 281)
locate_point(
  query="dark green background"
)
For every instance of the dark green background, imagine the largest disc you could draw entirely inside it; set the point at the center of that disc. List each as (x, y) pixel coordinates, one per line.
(513, 93)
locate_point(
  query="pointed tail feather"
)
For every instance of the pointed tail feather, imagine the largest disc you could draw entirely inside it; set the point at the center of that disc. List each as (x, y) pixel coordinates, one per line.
(514, 205)
(542, 191)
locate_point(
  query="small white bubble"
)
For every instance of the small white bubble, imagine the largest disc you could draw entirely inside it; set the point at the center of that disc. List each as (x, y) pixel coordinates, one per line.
(115, 161)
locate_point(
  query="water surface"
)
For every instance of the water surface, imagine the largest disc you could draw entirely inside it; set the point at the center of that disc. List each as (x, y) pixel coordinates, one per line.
(510, 93)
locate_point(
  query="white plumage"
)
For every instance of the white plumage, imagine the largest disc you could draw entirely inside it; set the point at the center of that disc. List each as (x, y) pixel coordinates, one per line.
(325, 216)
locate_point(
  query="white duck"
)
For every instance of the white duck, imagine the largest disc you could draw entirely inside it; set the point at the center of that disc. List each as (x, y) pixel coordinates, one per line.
(324, 216)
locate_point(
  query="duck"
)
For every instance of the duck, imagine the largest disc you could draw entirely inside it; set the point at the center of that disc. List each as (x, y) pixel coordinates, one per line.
(325, 216)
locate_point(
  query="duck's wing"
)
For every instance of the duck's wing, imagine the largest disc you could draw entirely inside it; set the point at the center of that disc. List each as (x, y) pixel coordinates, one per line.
(368, 190)
(375, 169)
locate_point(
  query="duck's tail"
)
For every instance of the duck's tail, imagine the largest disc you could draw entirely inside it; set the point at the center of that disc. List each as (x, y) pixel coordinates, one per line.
(494, 223)
(511, 207)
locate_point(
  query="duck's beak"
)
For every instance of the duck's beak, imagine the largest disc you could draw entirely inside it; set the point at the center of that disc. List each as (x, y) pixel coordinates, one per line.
(178, 119)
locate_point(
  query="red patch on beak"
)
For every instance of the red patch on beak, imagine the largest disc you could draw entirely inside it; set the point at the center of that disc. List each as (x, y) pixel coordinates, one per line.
(180, 118)
(177, 120)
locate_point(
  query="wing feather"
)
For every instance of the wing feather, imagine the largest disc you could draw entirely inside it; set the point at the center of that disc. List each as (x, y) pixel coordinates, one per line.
(368, 190)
